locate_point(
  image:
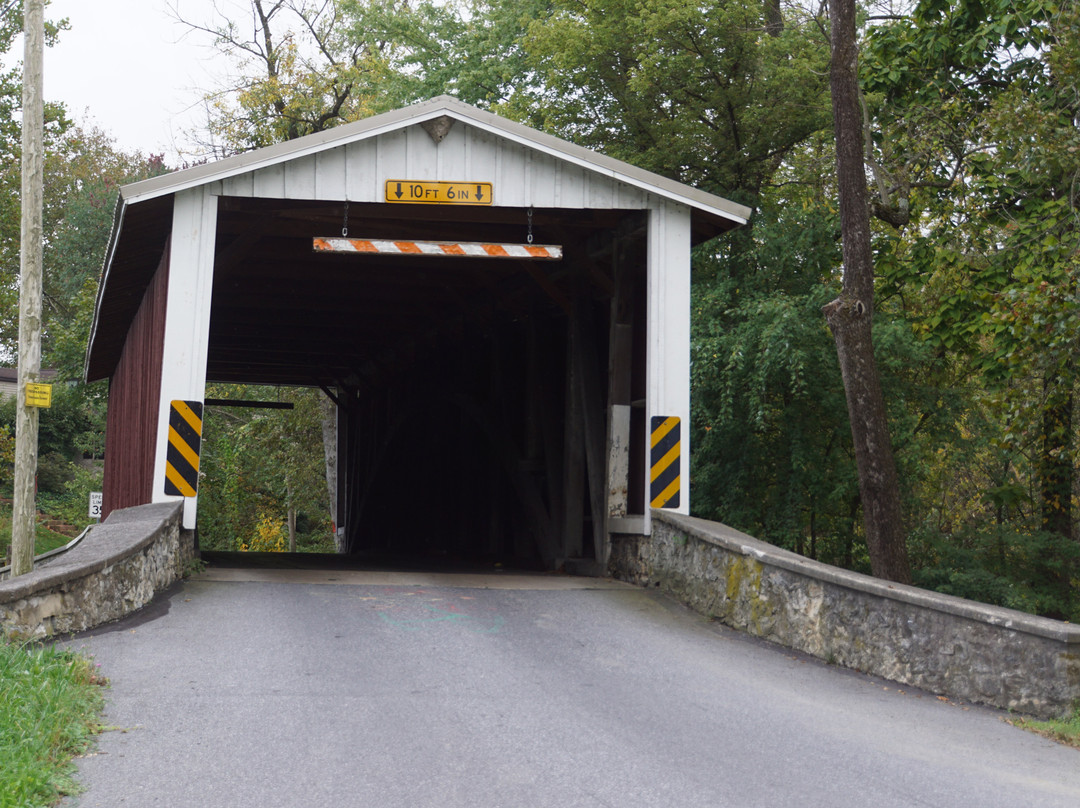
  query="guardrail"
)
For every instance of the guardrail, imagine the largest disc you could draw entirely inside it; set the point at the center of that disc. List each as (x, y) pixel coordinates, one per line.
(944, 644)
(117, 568)
(50, 553)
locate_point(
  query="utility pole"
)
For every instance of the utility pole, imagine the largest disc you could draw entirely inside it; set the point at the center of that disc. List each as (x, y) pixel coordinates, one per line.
(24, 510)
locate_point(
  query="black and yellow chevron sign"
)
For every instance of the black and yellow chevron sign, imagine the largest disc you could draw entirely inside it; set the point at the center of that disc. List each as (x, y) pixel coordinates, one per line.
(182, 456)
(664, 462)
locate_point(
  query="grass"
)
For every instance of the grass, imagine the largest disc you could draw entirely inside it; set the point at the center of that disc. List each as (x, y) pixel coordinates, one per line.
(50, 703)
(44, 539)
(1064, 730)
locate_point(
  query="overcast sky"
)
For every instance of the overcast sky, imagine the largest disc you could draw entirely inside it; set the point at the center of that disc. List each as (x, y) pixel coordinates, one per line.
(127, 66)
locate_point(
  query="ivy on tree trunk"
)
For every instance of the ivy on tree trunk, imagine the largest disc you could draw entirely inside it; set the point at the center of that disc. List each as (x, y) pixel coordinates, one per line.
(850, 315)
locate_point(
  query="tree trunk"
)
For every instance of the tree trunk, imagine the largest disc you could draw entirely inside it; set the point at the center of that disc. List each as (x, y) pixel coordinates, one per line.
(328, 411)
(1055, 462)
(850, 316)
(774, 18)
(1055, 470)
(290, 512)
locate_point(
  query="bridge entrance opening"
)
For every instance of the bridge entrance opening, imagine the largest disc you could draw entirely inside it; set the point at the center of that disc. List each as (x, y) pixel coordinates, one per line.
(468, 390)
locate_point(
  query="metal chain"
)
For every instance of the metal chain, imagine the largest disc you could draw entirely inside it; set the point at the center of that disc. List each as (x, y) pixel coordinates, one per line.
(345, 222)
(530, 225)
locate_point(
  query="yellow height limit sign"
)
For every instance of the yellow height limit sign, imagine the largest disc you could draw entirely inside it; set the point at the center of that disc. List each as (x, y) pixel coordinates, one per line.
(414, 192)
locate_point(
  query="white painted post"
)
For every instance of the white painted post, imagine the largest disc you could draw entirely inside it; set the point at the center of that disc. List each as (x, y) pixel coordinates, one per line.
(668, 364)
(187, 321)
(618, 463)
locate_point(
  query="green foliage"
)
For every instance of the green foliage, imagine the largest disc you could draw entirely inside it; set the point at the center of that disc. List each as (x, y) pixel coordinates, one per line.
(71, 504)
(770, 439)
(472, 49)
(72, 426)
(302, 70)
(56, 125)
(257, 466)
(44, 538)
(1064, 730)
(50, 703)
(7, 456)
(700, 93)
(997, 564)
(974, 109)
(269, 536)
(83, 173)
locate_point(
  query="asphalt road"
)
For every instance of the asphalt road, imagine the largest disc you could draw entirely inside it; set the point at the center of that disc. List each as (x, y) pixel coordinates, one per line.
(291, 689)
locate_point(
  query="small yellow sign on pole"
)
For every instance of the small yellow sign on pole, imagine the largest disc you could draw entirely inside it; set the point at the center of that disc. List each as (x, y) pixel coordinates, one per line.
(38, 395)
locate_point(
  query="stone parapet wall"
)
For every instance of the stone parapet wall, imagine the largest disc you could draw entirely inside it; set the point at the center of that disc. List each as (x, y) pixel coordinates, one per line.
(118, 568)
(944, 644)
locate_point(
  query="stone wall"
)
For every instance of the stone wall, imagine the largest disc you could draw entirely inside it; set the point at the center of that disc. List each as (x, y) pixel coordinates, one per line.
(118, 568)
(944, 644)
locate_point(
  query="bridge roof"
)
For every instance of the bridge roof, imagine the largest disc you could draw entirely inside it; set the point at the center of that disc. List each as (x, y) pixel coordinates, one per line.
(730, 213)
(259, 188)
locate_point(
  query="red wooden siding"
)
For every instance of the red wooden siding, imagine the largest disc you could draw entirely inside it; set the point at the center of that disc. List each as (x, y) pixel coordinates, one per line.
(134, 389)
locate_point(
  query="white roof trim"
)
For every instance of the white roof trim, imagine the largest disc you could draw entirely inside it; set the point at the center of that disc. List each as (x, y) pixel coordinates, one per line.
(436, 107)
(110, 253)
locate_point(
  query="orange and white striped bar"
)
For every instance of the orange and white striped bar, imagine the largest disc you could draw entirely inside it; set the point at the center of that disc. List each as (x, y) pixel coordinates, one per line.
(467, 249)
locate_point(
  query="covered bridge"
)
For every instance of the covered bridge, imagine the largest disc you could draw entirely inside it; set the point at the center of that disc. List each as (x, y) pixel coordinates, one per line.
(528, 404)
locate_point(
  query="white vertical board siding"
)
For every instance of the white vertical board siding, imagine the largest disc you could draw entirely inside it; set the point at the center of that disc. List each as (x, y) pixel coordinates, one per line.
(510, 176)
(544, 181)
(422, 155)
(187, 320)
(240, 185)
(300, 178)
(572, 186)
(358, 171)
(391, 161)
(628, 197)
(450, 155)
(481, 157)
(362, 181)
(330, 177)
(600, 192)
(269, 182)
(667, 373)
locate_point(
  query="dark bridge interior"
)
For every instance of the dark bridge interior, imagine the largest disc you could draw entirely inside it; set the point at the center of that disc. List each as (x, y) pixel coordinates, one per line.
(473, 391)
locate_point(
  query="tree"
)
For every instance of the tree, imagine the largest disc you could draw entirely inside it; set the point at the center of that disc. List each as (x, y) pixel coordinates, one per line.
(474, 50)
(56, 123)
(712, 95)
(299, 74)
(263, 468)
(84, 172)
(975, 110)
(771, 442)
(850, 316)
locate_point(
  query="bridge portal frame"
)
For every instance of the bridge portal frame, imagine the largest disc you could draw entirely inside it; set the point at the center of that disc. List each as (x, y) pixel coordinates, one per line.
(173, 224)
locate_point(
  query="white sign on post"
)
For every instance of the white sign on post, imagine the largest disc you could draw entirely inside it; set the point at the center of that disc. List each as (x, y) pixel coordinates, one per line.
(95, 504)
